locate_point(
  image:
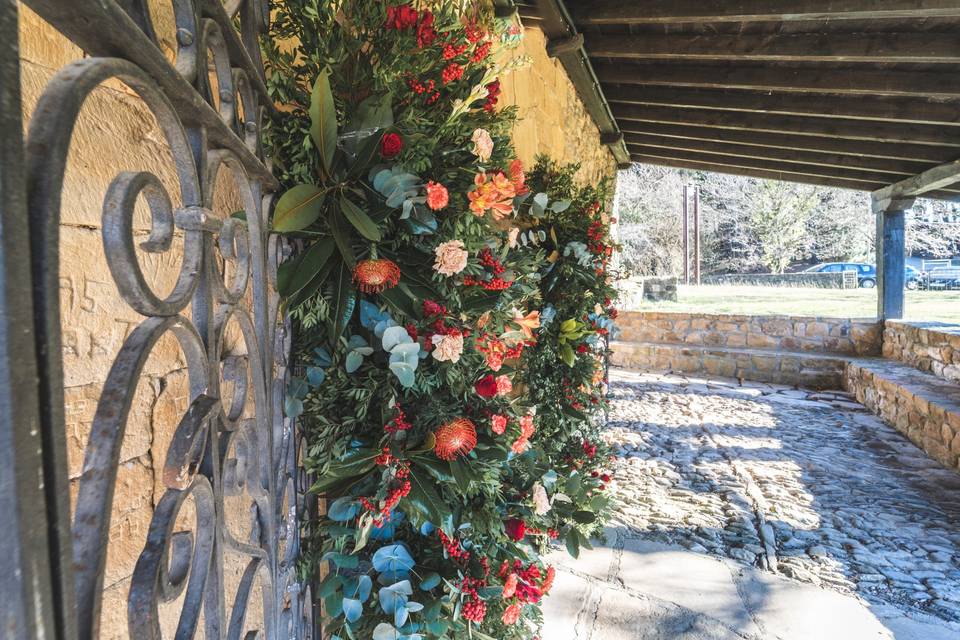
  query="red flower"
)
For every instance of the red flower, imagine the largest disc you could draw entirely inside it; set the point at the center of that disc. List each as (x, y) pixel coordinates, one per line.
(373, 276)
(402, 17)
(589, 449)
(582, 348)
(431, 308)
(455, 439)
(425, 33)
(515, 528)
(605, 477)
(486, 387)
(391, 144)
(493, 94)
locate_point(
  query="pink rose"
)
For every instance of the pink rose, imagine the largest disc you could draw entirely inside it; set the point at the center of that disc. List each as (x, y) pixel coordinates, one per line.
(504, 386)
(498, 424)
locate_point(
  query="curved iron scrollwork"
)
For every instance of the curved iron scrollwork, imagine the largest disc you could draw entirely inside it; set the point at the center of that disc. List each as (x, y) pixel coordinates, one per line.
(209, 103)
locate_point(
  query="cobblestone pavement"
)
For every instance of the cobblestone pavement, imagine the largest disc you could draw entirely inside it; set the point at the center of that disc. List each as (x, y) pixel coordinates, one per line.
(804, 485)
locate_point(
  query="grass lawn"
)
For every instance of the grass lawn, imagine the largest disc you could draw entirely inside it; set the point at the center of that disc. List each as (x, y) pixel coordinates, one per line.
(942, 306)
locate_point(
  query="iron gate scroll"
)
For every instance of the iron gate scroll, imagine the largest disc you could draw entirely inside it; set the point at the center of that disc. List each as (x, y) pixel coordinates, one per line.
(209, 103)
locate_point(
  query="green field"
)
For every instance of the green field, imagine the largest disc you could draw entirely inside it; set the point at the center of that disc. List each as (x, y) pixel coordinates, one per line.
(942, 306)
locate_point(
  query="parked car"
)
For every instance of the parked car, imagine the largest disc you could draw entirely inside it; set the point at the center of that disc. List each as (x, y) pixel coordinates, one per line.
(866, 273)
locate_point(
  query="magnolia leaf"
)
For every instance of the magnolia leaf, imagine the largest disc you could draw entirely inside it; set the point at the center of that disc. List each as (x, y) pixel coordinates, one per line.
(323, 119)
(298, 208)
(584, 517)
(306, 267)
(573, 543)
(359, 219)
(567, 354)
(342, 237)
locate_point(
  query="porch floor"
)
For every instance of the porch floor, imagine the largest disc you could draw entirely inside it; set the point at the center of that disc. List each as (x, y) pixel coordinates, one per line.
(763, 512)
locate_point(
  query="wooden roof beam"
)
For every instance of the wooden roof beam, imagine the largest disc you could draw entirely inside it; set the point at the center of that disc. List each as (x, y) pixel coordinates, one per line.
(833, 173)
(926, 48)
(789, 141)
(645, 143)
(810, 126)
(680, 11)
(931, 180)
(818, 106)
(861, 82)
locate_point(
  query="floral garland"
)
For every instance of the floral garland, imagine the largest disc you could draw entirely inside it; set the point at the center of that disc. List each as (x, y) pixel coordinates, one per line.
(418, 295)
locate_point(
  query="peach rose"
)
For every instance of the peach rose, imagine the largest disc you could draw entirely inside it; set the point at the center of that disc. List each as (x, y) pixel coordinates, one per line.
(447, 348)
(512, 236)
(482, 144)
(451, 258)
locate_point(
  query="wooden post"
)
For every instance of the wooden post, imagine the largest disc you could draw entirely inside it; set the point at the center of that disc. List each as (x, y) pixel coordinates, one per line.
(696, 235)
(686, 237)
(891, 255)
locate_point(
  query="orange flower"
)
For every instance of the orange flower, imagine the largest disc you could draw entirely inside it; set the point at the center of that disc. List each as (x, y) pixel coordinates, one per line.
(373, 276)
(437, 196)
(548, 581)
(455, 439)
(512, 614)
(510, 586)
(495, 194)
(528, 323)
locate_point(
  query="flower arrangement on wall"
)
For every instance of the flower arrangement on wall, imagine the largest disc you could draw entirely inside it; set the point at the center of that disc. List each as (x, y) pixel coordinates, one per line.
(429, 293)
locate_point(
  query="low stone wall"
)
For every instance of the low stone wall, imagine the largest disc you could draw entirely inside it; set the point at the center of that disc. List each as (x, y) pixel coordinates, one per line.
(784, 333)
(927, 414)
(816, 280)
(929, 346)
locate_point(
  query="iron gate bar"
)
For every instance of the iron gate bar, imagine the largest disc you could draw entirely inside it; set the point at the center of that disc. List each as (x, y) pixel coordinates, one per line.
(217, 449)
(27, 556)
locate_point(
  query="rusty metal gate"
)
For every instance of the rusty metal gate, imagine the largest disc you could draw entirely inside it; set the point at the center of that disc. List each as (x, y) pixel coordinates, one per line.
(209, 104)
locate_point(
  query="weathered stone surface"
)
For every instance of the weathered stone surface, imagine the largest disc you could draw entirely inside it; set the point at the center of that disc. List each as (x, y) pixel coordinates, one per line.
(929, 346)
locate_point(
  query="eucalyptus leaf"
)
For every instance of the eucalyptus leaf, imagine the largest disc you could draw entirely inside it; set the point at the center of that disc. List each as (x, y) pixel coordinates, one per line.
(352, 609)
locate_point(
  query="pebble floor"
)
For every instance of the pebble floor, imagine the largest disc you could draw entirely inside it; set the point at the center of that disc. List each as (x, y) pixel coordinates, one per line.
(806, 485)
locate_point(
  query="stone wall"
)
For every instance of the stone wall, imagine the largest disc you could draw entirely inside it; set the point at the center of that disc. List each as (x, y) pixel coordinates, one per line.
(816, 280)
(552, 119)
(116, 132)
(841, 336)
(929, 346)
(928, 414)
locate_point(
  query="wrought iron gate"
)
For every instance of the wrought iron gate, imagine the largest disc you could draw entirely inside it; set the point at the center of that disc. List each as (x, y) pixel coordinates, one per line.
(209, 104)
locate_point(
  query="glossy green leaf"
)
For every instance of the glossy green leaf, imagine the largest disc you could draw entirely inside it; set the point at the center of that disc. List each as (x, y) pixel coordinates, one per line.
(298, 208)
(323, 119)
(303, 270)
(359, 219)
(343, 303)
(343, 237)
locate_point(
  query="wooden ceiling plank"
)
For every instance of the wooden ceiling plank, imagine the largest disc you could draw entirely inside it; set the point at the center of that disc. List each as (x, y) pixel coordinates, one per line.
(860, 82)
(926, 48)
(753, 172)
(810, 126)
(819, 106)
(646, 143)
(682, 11)
(770, 165)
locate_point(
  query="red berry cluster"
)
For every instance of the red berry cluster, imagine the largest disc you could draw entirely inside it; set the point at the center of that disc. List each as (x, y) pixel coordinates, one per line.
(481, 52)
(427, 89)
(452, 546)
(384, 458)
(431, 308)
(496, 284)
(399, 422)
(589, 448)
(531, 582)
(487, 260)
(451, 51)
(451, 72)
(474, 609)
(397, 493)
(475, 33)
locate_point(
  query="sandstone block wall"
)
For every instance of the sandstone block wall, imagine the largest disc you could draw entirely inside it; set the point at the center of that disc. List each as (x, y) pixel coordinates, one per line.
(783, 333)
(551, 117)
(930, 347)
(928, 414)
(116, 132)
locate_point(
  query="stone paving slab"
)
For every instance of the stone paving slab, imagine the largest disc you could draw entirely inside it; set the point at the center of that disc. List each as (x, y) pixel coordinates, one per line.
(816, 509)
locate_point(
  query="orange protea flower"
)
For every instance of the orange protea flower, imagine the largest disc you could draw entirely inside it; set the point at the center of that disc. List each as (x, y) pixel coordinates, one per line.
(455, 439)
(373, 276)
